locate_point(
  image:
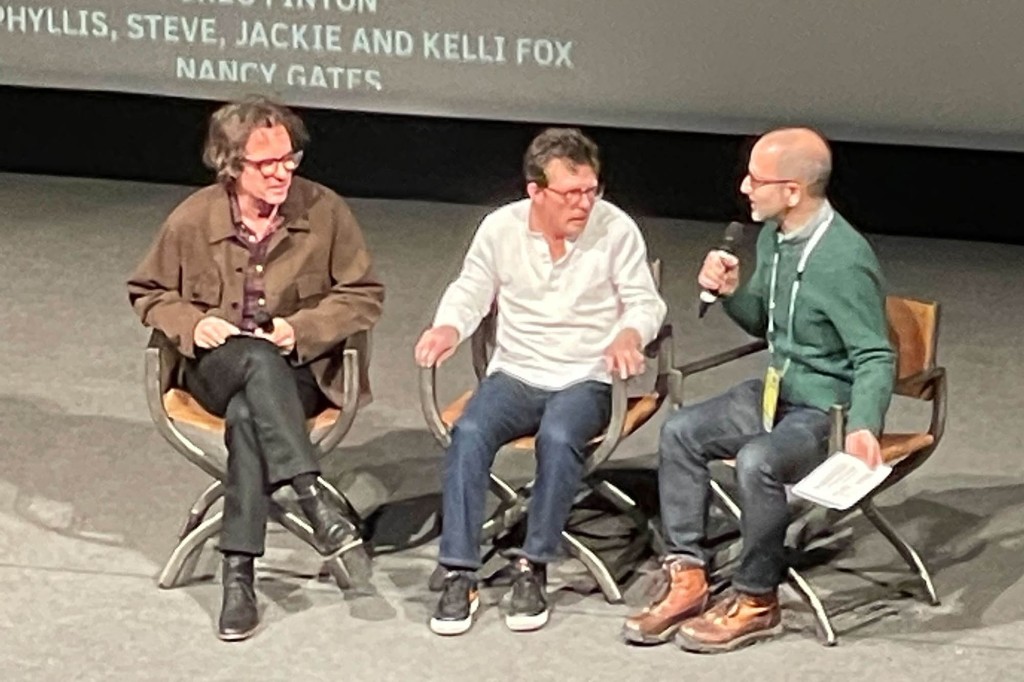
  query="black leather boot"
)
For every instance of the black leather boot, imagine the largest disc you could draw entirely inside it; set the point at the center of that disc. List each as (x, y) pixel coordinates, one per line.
(239, 616)
(331, 530)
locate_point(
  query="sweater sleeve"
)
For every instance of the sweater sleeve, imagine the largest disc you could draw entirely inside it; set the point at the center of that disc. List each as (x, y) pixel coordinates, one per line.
(861, 324)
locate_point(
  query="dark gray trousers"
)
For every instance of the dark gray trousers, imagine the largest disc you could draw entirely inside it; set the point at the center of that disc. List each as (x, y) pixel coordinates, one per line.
(265, 402)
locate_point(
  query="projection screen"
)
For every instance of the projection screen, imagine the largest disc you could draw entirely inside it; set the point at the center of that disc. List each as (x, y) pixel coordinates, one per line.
(937, 72)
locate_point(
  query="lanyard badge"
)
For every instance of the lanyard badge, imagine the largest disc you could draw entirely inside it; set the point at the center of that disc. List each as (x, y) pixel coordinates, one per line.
(770, 397)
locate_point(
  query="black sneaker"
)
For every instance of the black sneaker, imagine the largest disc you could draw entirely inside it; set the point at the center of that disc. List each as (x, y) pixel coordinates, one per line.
(528, 607)
(460, 599)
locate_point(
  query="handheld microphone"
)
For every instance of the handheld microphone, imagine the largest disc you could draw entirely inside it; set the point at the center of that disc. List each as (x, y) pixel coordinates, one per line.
(730, 240)
(264, 321)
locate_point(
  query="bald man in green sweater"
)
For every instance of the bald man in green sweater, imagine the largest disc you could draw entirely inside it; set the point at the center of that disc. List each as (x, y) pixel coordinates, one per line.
(816, 295)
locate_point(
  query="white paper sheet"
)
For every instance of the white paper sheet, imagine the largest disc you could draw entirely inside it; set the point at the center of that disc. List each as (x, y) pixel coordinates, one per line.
(840, 481)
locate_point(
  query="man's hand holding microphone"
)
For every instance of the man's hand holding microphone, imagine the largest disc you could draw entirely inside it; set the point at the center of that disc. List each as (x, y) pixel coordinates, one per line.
(720, 274)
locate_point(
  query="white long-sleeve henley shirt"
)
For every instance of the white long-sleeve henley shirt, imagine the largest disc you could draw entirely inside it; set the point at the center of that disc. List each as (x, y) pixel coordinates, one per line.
(555, 318)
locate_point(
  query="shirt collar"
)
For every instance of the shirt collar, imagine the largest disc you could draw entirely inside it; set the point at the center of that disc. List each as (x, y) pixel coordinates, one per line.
(803, 233)
(224, 217)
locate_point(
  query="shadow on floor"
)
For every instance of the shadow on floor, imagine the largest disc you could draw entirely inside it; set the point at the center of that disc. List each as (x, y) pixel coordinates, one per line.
(116, 482)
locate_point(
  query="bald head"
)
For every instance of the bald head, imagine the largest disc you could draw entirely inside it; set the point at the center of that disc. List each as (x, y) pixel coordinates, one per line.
(800, 154)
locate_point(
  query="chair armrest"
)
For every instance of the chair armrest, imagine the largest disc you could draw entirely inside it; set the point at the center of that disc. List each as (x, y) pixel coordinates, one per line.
(937, 382)
(160, 359)
(930, 385)
(722, 358)
(481, 343)
(616, 422)
(351, 371)
(915, 384)
(657, 344)
(678, 374)
(431, 411)
(166, 358)
(154, 386)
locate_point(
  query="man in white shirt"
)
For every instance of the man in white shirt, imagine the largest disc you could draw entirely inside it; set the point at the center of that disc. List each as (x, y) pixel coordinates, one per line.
(576, 302)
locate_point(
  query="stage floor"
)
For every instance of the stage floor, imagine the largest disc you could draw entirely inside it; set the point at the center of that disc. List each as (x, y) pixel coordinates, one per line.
(92, 498)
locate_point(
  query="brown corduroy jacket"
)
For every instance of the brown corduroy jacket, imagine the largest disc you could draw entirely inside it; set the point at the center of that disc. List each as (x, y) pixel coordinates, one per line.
(318, 275)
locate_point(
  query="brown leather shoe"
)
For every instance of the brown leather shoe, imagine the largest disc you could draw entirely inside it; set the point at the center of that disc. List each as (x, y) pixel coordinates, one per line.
(687, 596)
(736, 621)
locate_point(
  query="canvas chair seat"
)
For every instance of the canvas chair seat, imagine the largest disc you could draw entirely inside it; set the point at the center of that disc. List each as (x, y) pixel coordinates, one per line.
(896, 446)
(639, 409)
(182, 407)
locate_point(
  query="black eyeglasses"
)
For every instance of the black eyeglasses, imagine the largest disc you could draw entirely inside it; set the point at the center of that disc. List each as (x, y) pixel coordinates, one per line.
(268, 167)
(575, 196)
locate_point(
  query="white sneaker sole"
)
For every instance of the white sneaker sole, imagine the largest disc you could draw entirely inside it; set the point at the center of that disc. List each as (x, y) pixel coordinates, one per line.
(448, 628)
(518, 623)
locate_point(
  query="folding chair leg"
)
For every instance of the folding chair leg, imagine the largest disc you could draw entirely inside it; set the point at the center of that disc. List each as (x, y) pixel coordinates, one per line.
(491, 528)
(908, 553)
(334, 564)
(503, 490)
(623, 502)
(337, 569)
(338, 498)
(511, 509)
(357, 565)
(504, 518)
(183, 559)
(726, 501)
(823, 624)
(595, 566)
(201, 506)
(799, 584)
(657, 541)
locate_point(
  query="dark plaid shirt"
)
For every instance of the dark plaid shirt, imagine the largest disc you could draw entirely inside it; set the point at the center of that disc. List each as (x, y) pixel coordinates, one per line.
(254, 288)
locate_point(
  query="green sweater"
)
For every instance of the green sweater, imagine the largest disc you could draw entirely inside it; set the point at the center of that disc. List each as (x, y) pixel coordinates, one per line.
(840, 350)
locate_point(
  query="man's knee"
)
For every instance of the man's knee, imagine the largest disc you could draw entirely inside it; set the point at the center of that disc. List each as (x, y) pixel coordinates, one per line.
(470, 435)
(754, 464)
(678, 433)
(238, 411)
(262, 356)
(558, 438)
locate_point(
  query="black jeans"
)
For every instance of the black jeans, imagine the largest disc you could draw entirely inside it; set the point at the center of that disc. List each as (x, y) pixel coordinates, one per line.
(729, 426)
(265, 402)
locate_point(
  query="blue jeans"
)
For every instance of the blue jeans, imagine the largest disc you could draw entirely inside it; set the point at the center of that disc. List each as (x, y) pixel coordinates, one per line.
(724, 427)
(501, 410)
